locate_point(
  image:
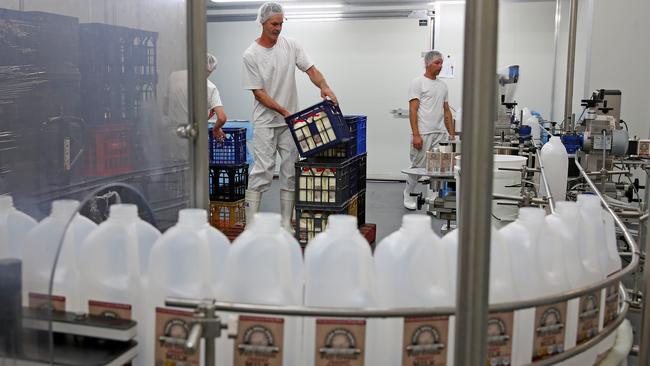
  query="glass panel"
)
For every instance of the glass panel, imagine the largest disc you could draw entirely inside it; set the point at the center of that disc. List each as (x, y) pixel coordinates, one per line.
(91, 92)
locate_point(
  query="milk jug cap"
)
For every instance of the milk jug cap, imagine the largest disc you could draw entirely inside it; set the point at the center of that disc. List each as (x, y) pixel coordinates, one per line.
(415, 222)
(64, 208)
(266, 221)
(124, 211)
(193, 216)
(6, 202)
(342, 222)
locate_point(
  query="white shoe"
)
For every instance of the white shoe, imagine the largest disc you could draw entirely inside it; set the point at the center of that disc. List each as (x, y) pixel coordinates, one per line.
(410, 202)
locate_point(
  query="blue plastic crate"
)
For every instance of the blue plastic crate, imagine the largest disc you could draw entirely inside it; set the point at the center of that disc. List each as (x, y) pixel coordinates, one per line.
(230, 151)
(249, 134)
(355, 146)
(362, 122)
(317, 128)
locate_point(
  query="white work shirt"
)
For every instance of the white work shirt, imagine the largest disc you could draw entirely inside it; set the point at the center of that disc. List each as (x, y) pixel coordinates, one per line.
(178, 99)
(432, 94)
(274, 70)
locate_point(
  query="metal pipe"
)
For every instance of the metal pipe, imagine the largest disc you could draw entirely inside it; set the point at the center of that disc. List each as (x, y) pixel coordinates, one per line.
(556, 38)
(537, 201)
(570, 67)
(551, 201)
(479, 96)
(644, 356)
(198, 97)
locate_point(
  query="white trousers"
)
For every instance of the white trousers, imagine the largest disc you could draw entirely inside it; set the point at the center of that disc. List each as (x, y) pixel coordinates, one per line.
(419, 157)
(267, 142)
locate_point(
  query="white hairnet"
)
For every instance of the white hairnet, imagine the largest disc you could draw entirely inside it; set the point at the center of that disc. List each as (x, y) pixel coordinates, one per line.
(212, 62)
(430, 56)
(268, 10)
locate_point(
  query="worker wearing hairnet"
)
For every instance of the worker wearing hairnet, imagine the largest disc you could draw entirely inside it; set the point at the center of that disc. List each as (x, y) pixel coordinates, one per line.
(429, 116)
(269, 72)
(178, 98)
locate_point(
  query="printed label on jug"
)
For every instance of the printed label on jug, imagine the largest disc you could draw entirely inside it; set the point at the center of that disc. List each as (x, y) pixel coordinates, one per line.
(42, 301)
(499, 347)
(611, 304)
(549, 330)
(109, 309)
(425, 341)
(259, 341)
(172, 324)
(340, 342)
(588, 317)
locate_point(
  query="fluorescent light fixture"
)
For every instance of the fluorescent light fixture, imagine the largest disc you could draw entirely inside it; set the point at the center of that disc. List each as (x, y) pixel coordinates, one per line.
(239, 1)
(314, 15)
(312, 6)
(316, 20)
(447, 2)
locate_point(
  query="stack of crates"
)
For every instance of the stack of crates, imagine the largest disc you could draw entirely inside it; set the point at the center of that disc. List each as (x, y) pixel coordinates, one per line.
(228, 178)
(118, 67)
(332, 181)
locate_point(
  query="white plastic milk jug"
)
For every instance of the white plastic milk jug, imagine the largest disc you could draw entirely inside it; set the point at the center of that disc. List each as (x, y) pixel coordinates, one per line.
(339, 273)
(14, 226)
(39, 253)
(184, 262)
(264, 266)
(112, 263)
(556, 163)
(411, 267)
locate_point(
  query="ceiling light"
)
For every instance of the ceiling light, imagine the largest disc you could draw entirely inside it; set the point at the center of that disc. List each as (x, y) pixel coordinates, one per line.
(315, 15)
(312, 6)
(238, 1)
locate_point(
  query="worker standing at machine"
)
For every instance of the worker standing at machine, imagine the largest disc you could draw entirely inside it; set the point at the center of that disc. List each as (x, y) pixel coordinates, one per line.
(269, 72)
(430, 118)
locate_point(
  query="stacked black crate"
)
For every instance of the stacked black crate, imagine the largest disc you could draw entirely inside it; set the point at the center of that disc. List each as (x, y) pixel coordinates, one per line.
(118, 74)
(333, 181)
(39, 101)
(228, 178)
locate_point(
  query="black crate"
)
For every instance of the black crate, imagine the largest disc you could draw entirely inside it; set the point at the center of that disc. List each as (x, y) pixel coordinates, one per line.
(358, 176)
(311, 220)
(114, 101)
(324, 183)
(114, 52)
(228, 182)
(361, 208)
(48, 42)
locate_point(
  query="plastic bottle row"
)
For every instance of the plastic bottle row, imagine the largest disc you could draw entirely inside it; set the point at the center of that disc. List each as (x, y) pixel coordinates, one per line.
(126, 268)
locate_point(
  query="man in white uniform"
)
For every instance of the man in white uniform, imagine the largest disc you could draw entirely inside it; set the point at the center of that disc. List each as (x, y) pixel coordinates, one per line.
(429, 116)
(269, 72)
(178, 99)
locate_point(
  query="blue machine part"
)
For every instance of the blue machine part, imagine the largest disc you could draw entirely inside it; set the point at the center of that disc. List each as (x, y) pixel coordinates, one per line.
(525, 133)
(572, 143)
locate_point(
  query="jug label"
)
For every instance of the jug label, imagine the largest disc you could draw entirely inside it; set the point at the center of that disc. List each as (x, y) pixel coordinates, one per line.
(550, 330)
(499, 347)
(109, 309)
(173, 324)
(42, 301)
(611, 304)
(588, 317)
(259, 341)
(425, 341)
(340, 342)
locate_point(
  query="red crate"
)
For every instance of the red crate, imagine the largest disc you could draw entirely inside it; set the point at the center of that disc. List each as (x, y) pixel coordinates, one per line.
(109, 150)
